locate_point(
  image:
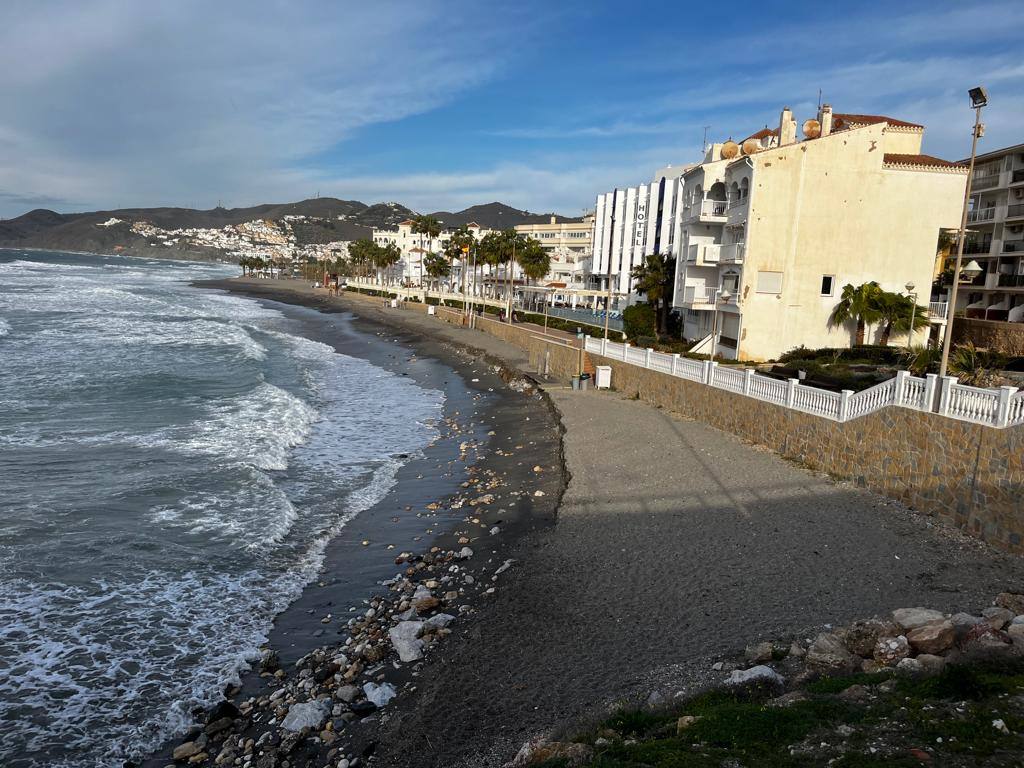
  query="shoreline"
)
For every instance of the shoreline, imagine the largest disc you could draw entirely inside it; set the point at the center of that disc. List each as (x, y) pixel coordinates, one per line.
(428, 498)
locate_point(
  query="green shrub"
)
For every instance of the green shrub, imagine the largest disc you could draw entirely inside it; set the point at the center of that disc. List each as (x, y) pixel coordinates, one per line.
(639, 320)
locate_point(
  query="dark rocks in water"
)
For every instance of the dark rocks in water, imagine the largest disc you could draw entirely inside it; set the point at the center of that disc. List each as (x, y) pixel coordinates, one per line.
(224, 709)
(363, 708)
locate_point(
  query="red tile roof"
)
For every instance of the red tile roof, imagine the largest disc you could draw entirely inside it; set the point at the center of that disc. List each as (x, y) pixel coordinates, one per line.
(920, 160)
(764, 133)
(843, 119)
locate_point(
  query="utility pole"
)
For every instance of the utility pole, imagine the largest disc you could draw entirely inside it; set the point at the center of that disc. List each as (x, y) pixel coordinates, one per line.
(979, 98)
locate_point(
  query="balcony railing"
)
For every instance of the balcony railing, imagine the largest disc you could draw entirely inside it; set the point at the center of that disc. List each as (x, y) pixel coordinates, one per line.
(732, 254)
(1011, 281)
(938, 309)
(982, 214)
(1013, 246)
(699, 294)
(1015, 211)
(1017, 176)
(703, 253)
(985, 182)
(713, 208)
(982, 247)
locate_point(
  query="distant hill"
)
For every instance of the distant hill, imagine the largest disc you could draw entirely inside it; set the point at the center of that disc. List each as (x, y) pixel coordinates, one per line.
(495, 216)
(327, 219)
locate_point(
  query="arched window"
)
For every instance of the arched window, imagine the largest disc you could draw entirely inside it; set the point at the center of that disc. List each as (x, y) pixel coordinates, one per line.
(744, 188)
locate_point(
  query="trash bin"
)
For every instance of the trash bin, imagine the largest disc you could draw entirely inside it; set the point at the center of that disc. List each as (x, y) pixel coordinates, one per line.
(394, 303)
(584, 381)
(576, 382)
(431, 309)
(603, 376)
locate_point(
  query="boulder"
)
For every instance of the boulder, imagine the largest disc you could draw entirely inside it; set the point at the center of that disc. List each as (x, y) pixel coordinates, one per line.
(1011, 601)
(405, 640)
(996, 617)
(685, 722)
(310, 714)
(934, 637)
(985, 644)
(909, 667)
(931, 664)
(380, 694)
(963, 623)
(1016, 633)
(439, 621)
(889, 651)
(347, 693)
(540, 751)
(862, 636)
(760, 675)
(828, 654)
(912, 618)
(759, 653)
(186, 750)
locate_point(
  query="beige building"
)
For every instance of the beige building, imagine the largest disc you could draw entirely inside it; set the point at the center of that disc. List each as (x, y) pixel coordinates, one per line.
(995, 238)
(570, 245)
(770, 230)
(414, 247)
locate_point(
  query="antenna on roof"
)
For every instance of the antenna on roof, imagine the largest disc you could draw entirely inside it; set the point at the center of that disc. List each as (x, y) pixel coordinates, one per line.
(819, 99)
(704, 146)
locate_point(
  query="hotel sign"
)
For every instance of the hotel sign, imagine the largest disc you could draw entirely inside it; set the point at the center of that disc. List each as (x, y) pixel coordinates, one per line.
(640, 229)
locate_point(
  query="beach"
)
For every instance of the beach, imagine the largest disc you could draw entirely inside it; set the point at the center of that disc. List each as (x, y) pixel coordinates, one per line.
(674, 544)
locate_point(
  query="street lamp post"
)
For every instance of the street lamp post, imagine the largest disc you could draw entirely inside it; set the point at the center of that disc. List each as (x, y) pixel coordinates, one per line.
(979, 98)
(913, 310)
(720, 296)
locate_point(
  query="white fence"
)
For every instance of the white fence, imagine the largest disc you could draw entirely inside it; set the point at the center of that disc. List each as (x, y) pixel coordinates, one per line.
(1002, 407)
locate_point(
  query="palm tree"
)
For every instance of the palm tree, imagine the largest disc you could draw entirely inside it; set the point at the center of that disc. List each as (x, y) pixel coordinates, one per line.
(857, 304)
(895, 311)
(533, 259)
(437, 266)
(458, 248)
(431, 228)
(654, 278)
(386, 256)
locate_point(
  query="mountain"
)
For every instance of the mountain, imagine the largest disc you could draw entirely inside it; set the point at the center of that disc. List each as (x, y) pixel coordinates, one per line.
(151, 231)
(495, 216)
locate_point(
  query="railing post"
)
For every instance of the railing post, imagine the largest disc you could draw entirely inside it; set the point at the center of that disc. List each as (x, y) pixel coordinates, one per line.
(625, 352)
(647, 358)
(844, 404)
(709, 371)
(604, 347)
(1003, 412)
(931, 381)
(901, 385)
(946, 386)
(675, 362)
(791, 392)
(748, 380)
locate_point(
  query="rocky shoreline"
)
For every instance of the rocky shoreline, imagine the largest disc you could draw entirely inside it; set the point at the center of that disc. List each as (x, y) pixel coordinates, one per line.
(325, 709)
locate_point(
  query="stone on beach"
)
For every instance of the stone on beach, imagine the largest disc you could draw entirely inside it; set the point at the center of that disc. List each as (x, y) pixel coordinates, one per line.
(759, 675)
(912, 618)
(828, 654)
(310, 714)
(934, 637)
(381, 694)
(405, 640)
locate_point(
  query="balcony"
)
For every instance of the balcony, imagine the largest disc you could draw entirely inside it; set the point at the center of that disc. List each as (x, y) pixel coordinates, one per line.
(976, 248)
(937, 311)
(699, 296)
(711, 211)
(1011, 281)
(703, 254)
(981, 215)
(1013, 246)
(985, 182)
(1015, 211)
(732, 254)
(1017, 177)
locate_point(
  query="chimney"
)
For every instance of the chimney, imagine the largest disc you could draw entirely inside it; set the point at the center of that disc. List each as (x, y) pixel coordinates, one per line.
(787, 127)
(825, 118)
(554, 219)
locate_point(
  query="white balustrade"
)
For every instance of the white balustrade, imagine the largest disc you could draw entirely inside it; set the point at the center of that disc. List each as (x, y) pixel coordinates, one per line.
(961, 401)
(728, 378)
(871, 399)
(713, 207)
(938, 309)
(820, 402)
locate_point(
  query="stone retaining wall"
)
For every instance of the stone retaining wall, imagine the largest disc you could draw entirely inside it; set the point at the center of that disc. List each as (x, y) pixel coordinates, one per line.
(1005, 338)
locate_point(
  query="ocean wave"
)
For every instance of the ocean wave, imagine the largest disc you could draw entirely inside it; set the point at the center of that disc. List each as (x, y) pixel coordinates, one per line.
(5, 327)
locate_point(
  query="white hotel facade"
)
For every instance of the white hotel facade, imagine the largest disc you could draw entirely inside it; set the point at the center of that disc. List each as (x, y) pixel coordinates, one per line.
(632, 223)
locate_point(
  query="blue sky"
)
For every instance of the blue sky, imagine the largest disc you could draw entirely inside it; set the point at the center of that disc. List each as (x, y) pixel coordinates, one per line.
(440, 105)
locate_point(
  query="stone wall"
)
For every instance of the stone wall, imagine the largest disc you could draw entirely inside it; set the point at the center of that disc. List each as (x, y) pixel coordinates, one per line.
(1005, 338)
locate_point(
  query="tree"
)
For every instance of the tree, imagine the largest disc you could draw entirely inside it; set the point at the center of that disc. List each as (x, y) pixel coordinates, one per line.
(361, 254)
(437, 266)
(895, 311)
(429, 227)
(459, 246)
(386, 256)
(638, 321)
(654, 277)
(533, 259)
(857, 304)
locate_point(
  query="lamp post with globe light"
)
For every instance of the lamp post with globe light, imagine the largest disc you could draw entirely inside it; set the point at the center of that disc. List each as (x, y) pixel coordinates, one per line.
(979, 98)
(723, 297)
(913, 310)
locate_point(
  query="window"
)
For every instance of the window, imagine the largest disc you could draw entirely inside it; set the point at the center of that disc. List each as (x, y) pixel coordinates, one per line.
(769, 282)
(826, 284)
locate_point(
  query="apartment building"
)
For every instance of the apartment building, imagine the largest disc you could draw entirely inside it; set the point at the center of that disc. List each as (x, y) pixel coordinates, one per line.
(995, 238)
(414, 247)
(570, 245)
(632, 223)
(772, 228)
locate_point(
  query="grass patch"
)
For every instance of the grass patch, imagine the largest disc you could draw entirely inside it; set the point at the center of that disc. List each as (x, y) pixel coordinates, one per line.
(840, 683)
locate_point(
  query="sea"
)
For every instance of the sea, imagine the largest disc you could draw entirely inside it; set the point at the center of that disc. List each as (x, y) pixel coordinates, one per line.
(173, 462)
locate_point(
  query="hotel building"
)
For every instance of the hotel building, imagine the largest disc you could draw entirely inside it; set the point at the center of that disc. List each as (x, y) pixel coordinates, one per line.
(570, 245)
(772, 228)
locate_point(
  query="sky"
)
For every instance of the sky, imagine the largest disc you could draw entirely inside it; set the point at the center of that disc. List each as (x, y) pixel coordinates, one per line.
(442, 104)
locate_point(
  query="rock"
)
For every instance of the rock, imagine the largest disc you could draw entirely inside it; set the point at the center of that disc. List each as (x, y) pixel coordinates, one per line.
(862, 636)
(539, 751)
(269, 661)
(788, 699)
(964, 623)
(222, 710)
(1000, 726)
(405, 640)
(426, 604)
(934, 637)
(912, 618)
(381, 694)
(217, 726)
(931, 664)
(756, 676)
(655, 699)
(1016, 633)
(685, 722)
(909, 667)
(796, 650)
(996, 617)
(828, 654)
(310, 714)
(759, 653)
(1011, 601)
(439, 621)
(185, 751)
(985, 644)
(464, 554)
(363, 708)
(854, 693)
(889, 651)
(871, 667)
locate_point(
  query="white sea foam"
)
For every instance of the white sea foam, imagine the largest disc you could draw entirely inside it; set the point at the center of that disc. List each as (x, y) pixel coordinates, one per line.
(5, 327)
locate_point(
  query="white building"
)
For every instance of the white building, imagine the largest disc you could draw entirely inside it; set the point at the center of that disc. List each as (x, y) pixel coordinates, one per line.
(570, 246)
(632, 223)
(414, 247)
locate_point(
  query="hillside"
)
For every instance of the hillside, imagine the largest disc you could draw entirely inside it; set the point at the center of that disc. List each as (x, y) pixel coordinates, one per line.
(315, 221)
